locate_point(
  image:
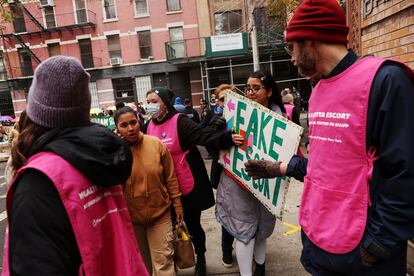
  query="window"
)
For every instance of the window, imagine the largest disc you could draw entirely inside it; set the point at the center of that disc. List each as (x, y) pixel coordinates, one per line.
(141, 8)
(114, 46)
(123, 89)
(18, 19)
(81, 13)
(110, 9)
(144, 41)
(6, 103)
(3, 72)
(173, 5)
(85, 48)
(228, 22)
(267, 31)
(53, 49)
(94, 94)
(25, 62)
(177, 42)
(143, 84)
(49, 17)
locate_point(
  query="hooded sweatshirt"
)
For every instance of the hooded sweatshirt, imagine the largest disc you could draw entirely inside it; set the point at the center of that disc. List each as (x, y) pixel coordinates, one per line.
(153, 185)
(38, 219)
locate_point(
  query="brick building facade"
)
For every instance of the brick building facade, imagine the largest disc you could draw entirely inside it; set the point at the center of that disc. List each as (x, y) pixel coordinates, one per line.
(383, 28)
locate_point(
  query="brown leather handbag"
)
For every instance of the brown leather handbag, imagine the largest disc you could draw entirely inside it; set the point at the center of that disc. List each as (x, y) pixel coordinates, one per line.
(183, 247)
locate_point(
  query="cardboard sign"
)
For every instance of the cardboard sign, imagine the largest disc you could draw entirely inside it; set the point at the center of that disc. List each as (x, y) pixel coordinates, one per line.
(268, 136)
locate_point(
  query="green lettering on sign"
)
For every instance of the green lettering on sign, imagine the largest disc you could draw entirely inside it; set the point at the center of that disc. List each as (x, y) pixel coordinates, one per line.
(249, 150)
(266, 188)
(262, 137)
(252, 127)
(240, 120)
(245, 175)
(261, 182)
(277, 189)
(276, 139)
(237, 156)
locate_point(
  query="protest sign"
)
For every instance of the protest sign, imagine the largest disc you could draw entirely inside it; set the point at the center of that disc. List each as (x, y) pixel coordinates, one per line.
(107, 121)
(268, 136)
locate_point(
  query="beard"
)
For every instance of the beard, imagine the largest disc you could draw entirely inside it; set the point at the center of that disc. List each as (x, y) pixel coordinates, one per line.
(307, 66)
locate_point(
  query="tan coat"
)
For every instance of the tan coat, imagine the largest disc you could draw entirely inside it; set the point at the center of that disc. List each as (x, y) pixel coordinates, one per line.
(153, 185)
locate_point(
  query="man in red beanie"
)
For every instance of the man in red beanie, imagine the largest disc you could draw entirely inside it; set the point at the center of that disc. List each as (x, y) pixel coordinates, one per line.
(357, 209)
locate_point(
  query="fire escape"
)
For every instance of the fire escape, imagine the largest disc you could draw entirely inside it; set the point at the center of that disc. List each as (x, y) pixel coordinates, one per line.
(27, 25)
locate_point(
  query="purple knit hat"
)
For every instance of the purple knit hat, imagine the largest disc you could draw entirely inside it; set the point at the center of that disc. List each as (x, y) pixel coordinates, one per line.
(59, 95)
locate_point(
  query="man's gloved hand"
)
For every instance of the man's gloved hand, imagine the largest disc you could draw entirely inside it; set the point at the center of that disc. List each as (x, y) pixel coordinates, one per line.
(263, 168)
(367, 258)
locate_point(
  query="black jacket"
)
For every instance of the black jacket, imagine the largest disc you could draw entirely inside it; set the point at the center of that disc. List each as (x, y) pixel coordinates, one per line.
(190, 135)
(192, 114)
(390, 128)
(206, 116)
(42, 241)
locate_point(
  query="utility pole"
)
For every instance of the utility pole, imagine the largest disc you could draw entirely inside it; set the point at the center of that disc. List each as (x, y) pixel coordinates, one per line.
(253, 36)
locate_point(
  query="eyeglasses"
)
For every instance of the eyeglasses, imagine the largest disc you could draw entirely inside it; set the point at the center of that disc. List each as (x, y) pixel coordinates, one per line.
(255, 89)
(289, 49)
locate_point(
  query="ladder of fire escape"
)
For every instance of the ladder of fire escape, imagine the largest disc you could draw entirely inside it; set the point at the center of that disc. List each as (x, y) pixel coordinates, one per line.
(34, 20)
(27, 48)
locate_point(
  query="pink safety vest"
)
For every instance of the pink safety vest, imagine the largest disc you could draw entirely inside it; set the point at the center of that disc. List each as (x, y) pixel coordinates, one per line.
(99, 218)
(289, 110)
(168, 133)
(335, 199)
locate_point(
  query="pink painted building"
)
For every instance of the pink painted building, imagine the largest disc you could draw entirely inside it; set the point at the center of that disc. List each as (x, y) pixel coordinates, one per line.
(122, 43)
(130, 46)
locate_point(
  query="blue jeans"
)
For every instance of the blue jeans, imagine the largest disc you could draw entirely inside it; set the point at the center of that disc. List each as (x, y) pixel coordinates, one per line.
(318, 262)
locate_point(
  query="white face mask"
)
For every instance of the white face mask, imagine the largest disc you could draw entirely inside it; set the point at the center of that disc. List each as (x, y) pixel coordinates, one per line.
(153, 109)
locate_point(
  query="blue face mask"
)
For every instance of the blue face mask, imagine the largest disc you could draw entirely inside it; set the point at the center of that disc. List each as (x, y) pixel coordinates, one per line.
(153, 109)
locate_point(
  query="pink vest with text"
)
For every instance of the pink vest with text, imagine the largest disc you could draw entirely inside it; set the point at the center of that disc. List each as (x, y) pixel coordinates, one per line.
(168, 134)
(335, 199)
(99, 218)
(289, 110)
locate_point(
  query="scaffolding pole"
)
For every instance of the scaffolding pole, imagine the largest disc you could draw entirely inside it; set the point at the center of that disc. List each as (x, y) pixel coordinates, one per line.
(253, 36)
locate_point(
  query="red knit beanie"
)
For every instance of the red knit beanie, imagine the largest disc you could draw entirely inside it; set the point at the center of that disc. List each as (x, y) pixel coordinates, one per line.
(320, 20)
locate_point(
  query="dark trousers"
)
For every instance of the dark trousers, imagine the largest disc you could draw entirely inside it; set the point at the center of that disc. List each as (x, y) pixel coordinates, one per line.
(226, 242)
(318, 262)
(192, 219)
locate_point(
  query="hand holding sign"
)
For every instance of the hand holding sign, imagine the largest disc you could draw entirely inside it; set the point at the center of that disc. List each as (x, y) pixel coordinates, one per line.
(263, 168)
(237, 139)
(264, 139)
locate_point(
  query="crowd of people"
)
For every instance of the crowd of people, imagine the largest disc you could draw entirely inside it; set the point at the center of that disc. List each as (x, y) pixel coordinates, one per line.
(85, 200)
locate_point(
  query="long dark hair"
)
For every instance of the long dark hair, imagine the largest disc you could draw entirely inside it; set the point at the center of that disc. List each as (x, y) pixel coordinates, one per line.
(29, 132)
(269, 83)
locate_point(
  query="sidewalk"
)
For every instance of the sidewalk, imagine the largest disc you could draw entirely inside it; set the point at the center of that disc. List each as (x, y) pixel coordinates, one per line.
(283, 252)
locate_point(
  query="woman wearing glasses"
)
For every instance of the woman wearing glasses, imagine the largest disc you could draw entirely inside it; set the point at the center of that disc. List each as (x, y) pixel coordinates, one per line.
(237, 210)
